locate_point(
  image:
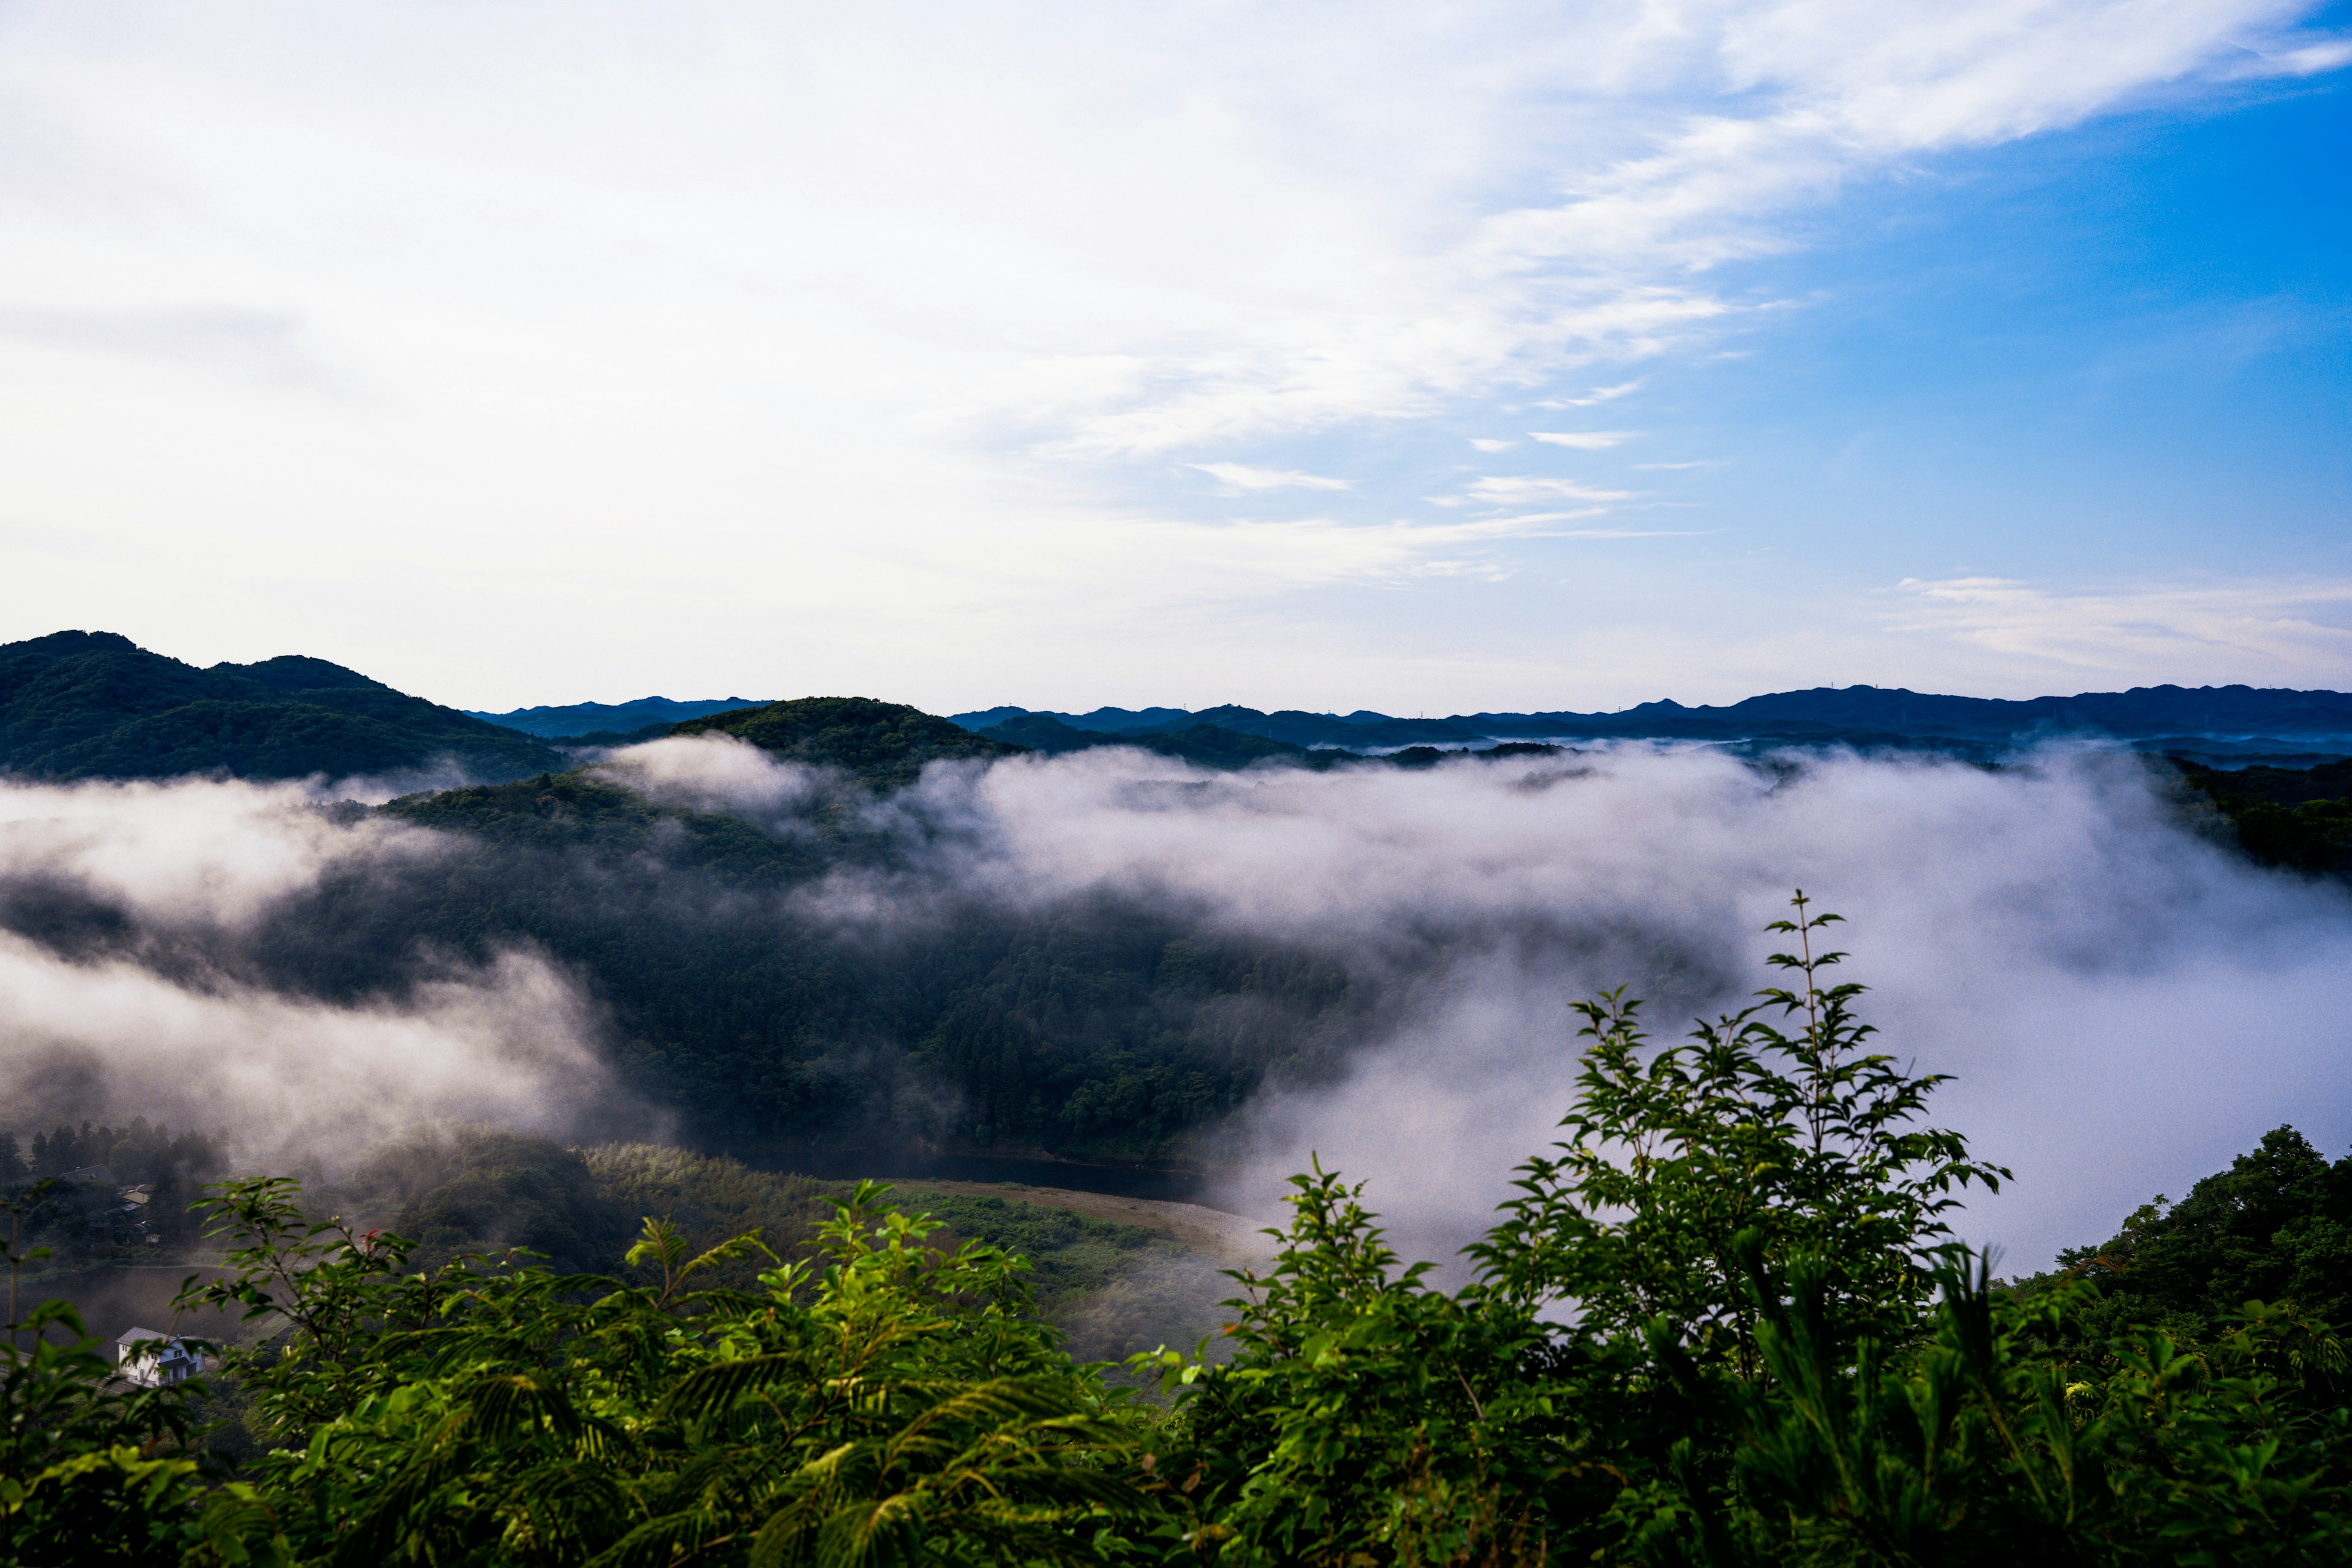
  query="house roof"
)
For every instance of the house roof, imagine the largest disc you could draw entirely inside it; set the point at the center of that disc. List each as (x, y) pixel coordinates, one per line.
(132, 1336)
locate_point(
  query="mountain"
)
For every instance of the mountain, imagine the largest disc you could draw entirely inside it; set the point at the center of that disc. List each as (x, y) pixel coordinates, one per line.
(2213, 721)
(885, 745)
(1103, 720)
(582, 718)
(2144, 713)
(1211, 745)
(97, 705)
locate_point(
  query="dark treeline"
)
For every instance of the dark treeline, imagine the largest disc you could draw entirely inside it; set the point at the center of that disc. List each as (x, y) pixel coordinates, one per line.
(134, 1153)
(127, 1185)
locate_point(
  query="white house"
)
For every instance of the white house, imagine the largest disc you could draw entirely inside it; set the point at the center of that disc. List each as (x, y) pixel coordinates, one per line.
(172, 1362)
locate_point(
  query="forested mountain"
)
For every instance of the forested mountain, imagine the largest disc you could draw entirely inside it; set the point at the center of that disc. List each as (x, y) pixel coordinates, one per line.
(610, 718)
(96, 705)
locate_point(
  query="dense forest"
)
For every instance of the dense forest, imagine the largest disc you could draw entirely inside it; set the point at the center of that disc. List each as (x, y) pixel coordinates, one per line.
(1725, 1322)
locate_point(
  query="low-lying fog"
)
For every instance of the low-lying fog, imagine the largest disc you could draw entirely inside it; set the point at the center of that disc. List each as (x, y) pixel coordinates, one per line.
(2124, 1004)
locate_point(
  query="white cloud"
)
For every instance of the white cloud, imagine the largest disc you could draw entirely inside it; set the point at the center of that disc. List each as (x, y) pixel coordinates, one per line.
(1489, 444)
(2263, 634)
(1243, 477)
(1584, 440)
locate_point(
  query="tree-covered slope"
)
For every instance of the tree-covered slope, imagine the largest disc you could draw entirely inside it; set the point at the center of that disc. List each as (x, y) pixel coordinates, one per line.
(883, 744)
(96, 705)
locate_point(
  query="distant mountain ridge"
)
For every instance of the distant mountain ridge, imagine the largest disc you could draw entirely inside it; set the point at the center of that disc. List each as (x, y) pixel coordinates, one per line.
(2218, 720)
(96, 705)
(580, 719)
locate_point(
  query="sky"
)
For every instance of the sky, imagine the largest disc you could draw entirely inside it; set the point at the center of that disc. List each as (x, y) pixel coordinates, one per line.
(1426, 359)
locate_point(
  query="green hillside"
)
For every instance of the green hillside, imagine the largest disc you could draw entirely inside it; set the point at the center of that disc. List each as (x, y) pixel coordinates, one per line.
(95, 705)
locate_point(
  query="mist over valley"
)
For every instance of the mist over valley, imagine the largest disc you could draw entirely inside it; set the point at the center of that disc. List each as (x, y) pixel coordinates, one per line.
(844, 937)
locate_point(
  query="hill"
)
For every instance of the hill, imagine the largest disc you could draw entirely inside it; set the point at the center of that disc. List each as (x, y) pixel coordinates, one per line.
(582, 720)
(96, 705)
(883, 744)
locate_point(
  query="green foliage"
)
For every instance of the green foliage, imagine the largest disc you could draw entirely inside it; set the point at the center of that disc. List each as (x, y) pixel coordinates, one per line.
(897, 1404)
(1727, 1323)
(1801, 1137)
(2276, 1225)
(708, 1200)
(88, 1467)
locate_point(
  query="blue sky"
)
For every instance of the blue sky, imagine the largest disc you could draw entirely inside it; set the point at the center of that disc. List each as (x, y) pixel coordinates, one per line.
(538, 353)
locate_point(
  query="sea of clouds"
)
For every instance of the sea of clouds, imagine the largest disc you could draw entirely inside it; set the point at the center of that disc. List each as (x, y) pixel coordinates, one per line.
(2123, 1001)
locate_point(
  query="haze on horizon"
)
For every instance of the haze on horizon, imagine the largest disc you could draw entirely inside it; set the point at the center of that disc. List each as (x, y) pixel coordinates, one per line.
(1523, 356)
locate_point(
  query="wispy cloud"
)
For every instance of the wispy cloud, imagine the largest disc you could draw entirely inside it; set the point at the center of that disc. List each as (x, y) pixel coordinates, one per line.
(1501, 490)
(1598, 394)
(1584, 440)
(2254, 632)
(1243, 477)
(1490, 444)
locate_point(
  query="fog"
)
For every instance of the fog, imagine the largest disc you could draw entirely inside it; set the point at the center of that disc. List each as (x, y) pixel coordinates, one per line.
(116, 1000)
(2124, 1003)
